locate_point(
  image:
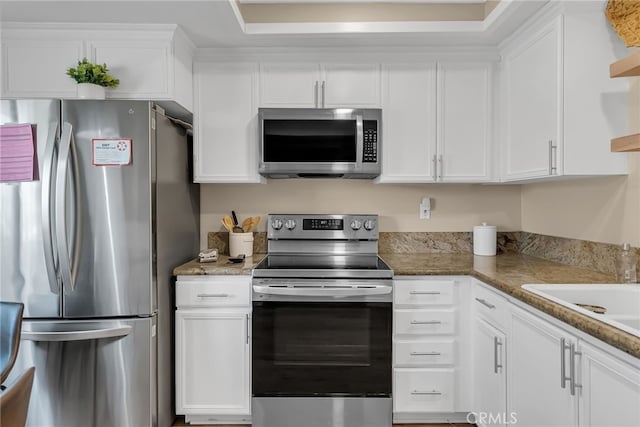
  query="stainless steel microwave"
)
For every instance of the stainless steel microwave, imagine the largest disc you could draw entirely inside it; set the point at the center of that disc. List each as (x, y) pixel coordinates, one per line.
(320, 143)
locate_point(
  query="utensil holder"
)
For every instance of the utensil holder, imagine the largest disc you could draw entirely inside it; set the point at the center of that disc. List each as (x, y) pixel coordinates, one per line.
(240, 243)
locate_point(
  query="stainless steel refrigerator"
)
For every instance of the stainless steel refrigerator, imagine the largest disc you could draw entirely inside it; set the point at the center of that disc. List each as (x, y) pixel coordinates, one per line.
(89, 249)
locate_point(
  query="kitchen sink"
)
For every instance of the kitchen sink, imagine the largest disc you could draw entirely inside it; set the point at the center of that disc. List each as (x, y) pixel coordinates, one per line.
(621, 302)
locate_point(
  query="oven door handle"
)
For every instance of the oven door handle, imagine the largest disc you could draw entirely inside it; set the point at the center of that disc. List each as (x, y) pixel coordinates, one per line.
(321, 292)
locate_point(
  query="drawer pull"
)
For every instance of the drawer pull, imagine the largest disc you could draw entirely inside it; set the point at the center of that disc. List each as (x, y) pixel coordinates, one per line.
(485, 303)
(427, 353)
(213, 295)
(429, 393)
(426, 322)
(424, 293)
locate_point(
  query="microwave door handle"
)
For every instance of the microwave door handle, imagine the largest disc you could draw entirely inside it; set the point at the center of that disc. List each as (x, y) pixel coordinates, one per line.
(359, 138)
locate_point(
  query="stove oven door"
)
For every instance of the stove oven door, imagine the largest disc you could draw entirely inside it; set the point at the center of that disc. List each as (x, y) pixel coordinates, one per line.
(321, 348)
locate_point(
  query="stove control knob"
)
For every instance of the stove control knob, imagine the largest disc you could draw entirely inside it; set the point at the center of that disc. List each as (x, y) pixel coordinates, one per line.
(369, 224)
(290, 224)
(356, 224)
(276, 224)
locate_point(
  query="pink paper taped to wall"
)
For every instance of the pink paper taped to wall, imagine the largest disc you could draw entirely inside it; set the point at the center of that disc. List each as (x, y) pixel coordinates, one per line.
(18, 153)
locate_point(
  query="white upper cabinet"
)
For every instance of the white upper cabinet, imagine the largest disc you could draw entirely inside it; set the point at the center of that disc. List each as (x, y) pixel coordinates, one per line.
(37, 68)
(464, 122)
(408, 123)
(352, 85)
(437, 122)
(532, 105)
(560, 108)
(311, 85)
(151, 62)
(226, 120)
(286, 85)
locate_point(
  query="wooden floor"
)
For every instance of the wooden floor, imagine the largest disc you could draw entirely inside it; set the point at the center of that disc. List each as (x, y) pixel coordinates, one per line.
(180, 423)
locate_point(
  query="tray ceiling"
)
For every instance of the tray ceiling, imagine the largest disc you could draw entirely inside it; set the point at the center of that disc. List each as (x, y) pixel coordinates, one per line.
(221, 23)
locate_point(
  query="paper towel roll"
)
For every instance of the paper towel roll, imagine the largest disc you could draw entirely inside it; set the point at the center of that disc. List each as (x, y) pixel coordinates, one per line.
(485, 240)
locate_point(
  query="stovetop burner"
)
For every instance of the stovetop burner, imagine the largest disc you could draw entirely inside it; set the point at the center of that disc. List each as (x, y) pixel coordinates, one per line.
(323, 266)
(324, 262)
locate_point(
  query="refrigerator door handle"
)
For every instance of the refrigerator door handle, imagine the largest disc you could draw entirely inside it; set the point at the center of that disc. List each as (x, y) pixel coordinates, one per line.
(68, 269)
(48, 230)
(94, 334)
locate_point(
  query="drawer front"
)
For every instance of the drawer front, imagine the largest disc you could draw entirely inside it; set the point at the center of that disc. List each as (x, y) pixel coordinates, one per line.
(424, 292)
(424, 390)
(489, 304)
(226, 291)
(424, 322)
(424, 353)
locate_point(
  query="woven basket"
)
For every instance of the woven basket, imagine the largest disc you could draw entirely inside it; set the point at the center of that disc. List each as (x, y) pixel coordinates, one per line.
(624, 16)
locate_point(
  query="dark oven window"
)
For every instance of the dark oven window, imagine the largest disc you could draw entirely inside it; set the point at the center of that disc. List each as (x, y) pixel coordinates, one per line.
(309, 141)
(321, 349)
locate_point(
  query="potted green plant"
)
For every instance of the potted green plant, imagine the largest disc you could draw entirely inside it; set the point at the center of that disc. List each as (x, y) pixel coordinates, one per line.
(92, 79)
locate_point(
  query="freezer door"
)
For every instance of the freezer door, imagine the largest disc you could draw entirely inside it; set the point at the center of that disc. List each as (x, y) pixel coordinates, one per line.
(90, 373)
(106, 253)
(27, 253)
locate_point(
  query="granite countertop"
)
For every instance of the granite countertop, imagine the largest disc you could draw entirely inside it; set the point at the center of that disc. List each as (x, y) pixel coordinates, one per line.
(506, 272)
(221, 267)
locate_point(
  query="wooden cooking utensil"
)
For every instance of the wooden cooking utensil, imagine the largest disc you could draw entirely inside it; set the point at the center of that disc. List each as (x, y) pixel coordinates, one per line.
(230, 230)
(254, 222)
(228, 223)
(245, 224)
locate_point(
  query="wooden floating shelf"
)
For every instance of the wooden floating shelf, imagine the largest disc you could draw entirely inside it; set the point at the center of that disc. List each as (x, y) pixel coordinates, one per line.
(627, 67)
(626, 143)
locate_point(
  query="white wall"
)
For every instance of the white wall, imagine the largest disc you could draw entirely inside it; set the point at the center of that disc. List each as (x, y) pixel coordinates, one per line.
(455, 207)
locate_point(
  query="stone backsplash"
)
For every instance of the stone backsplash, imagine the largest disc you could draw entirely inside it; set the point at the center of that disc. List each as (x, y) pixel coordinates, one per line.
(579, 253)
(440, 242)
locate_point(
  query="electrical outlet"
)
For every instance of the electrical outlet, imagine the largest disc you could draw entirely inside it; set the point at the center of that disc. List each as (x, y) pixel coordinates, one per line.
(425, 208)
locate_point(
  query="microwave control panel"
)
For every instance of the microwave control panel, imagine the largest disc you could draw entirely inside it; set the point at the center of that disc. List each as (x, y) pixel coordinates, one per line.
(370, 146)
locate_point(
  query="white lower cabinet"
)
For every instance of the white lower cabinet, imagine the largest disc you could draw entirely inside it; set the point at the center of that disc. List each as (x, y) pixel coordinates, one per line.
(489, 331)
(213, 349)
(430, 365)
(540, 373)
(560, 378)
(531, 369)
(490, 380)
(610, 394)
(424, 390)
(462, 351)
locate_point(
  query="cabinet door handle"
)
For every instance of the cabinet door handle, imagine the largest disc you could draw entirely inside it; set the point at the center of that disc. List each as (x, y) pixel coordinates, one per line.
(496, 365)
(430, 393)
(247, 327)
(213, 295)
(426, 353)
(572, 367)
(323, 93)
(315, 95)
(435, 168)
(563, 368)
(426, 322)
(424, 293)
(553, 170)
(440, 169)
(485, 303)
